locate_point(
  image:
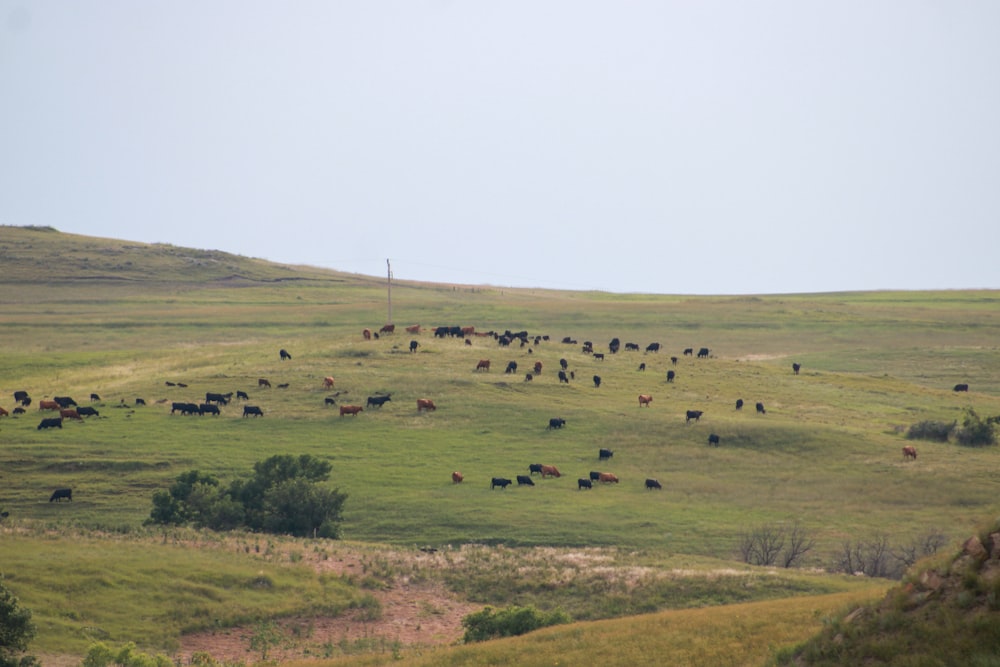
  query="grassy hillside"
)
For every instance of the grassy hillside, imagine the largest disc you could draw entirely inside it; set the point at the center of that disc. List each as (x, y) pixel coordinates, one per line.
(80, 315)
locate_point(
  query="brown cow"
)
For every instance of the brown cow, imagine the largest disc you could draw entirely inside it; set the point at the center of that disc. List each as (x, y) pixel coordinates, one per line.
(262, 382)
(468, 331)
(350, 410)
(483, 365)
(607, 478)
(4, 413)
(425, 404)
(538, 367)
(415, 329)
(367, 333)
(70, 413)
(909, 452)
(550, 470)
(328, 382)
(387, 329)
(645, 399)
(48, 405)
(456, 477)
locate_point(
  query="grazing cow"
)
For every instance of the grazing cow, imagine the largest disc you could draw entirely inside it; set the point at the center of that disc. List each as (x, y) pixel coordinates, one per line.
(177, 406)
(284, 354)
(631, 347)
(87, 411)
(653, 347)
(468, 331)
(673, 360)
(352, 410)
(414, 329)
(425, 404)
(140, 401)
(739, 403)
(760, 409)
(19, 396)
(599, 356)
(642, 366)
(645, 399)
(18, 411)
(688, 351)
(252, 410)
(550, 471)
(693, 414)
(328, 382)
(605, 454)
(524, 480)
(441, 332)
(377, 401)
(909, 452)
(221, 399)
(703, 353)
(588, 347)
(713, 439)
(597, 381)
(4, 413)
(538, 367)
(456, 477)
(563, 364)
(594, 475)
(170, 384)
(557, 422)
(243, 395)
(27, 401)
(483, 365)
(534, 467)
(59, 494)
(563, 377)
(502, 482)
(469, 343)
(366, 334)
(94, 397)
(670, 376)
(50, 422)
(387, 329)
(70, 413)
(329, 401)
(796, 368)
(652, 484)
(414, 345)
(64, 401)
(283, 385)
(614, 345)
(608, 478)
(583, 484)
(961, 387)
(263, 382)
(528, 377)
(208, 409)
(48, 405)
(511, 367)
(182, 385)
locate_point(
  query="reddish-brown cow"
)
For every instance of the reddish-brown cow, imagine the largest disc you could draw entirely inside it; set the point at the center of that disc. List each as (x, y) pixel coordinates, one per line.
(645, 399)
(425, 404)
(550, 471)
(350, 410)
(909, 452)
(456, 477)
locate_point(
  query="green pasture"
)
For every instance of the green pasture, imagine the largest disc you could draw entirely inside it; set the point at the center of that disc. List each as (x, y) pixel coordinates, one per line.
(122, 320)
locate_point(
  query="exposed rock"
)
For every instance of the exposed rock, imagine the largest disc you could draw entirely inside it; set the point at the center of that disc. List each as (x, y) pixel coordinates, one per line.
(973, 547)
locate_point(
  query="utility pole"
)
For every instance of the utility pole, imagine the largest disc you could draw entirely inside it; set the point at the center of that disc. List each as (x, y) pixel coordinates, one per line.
(389, 282)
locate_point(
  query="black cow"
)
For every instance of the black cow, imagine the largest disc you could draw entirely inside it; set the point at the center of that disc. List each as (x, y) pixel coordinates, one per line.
(377, 401)
(713, 440)
(614, 345)
(694, 414)
(94, 397)
(563, 364)
(605, 454)
(595, 475)
(252, 410)
(59, 494)
(557, 422)
(796, 368)
(511, 367)
(653, 347)
(562, 377)
(961, 387)
(87, 411)
(140, 401)
(19, 396)
(242, 395)
(524, 480)
(26, 401)
(208, 408)
(597, 380)
(584, 484)
(631, 347)
(739, 403)
(414, 345)
(702, 353)
(673, 360)
(64, 401)
(534, 467)
(642, 366)
(50, 422)
(183, 408)
(653, 484)
(502, 482)
(688, 351)
(440, 332)
(599, 356)
(284, 354)
(329, 401)
(670, 376)
(760, 409)
(221, 399)
(18, 411)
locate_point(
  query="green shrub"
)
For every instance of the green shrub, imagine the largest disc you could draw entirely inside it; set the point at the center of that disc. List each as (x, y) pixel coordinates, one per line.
(16, 630)
(930, 430)
(101, 655)
(508, 622)
(975, 431)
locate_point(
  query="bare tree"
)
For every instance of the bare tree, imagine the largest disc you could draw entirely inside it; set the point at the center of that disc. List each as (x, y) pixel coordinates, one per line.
(770, 544)
(799, 544)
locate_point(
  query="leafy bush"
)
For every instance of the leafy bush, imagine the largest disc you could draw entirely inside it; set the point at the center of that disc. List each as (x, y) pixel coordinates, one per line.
(508, 622)
(975, 431)
(930, 430)
(101, 655)
(282, 496)
(16, 630)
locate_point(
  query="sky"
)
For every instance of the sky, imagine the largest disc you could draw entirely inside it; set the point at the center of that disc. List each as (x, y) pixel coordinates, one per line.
(668, 147)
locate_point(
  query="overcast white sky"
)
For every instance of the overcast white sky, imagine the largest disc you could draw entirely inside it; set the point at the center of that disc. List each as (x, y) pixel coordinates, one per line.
(662, 146)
